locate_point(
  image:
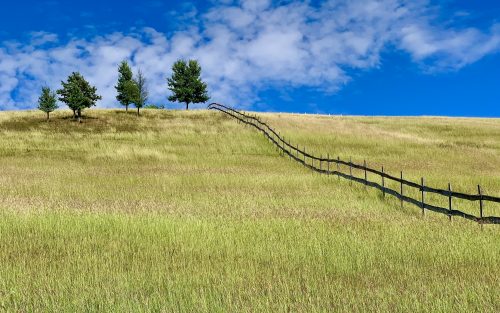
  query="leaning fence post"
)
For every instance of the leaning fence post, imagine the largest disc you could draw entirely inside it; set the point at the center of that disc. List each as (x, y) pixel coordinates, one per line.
(401, 189)
(449, 202)
(366, 180)
(423, 199)
(305, 164)
(383, 182)
(321, 162)
(480, 206)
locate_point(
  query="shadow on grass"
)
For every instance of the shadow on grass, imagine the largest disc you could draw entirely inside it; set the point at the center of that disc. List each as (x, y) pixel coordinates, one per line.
(123, 112)
(96, 121)
(84, 117)
(62, 123)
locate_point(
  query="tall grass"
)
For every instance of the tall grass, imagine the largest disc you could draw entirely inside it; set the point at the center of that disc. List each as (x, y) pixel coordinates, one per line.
(190, 211)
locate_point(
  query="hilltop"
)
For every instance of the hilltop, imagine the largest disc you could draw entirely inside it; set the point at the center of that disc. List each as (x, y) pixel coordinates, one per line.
(193, 211)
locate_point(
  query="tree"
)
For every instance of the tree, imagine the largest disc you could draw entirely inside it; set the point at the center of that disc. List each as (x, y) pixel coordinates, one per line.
(142, 91)
(78, 94)
(186, 84)
(126, 93)
(47, 102)
(131, 89)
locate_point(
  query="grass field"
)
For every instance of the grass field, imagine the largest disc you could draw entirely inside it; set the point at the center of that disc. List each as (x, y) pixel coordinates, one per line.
(192, 212)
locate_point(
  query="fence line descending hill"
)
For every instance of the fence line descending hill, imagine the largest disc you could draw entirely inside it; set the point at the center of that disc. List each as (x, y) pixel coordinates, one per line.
(323, 165)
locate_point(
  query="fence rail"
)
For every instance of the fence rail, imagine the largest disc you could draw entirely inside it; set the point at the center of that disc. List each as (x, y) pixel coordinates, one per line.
(301, 156)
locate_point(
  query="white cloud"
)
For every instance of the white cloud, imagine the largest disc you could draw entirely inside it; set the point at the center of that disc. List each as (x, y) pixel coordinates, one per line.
(41, 38)
(452, 49)
(246, 47)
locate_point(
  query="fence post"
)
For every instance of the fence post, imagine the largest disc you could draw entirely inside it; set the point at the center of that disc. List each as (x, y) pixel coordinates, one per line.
(401, 189)
(279, 144)
(283, 145)
(366, 180)
(338, 167)
(350, 170)
(423, 199)
(480, 206)
(289, 148)
(383, 182)
(449, 202)
(304, 156)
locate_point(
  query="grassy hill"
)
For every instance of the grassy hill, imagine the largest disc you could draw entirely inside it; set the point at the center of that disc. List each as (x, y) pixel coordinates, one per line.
(190, 211)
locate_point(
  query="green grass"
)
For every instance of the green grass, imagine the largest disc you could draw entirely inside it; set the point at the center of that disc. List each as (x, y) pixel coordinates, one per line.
(190, 211)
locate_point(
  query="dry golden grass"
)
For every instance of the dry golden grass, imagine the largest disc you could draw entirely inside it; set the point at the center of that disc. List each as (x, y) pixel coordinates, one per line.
(190, 211)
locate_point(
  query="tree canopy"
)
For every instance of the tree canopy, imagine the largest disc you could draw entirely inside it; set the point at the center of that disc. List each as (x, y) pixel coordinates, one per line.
(142, 91)
(126, 87)
(47, 102)
(78, 94)
(186, 84)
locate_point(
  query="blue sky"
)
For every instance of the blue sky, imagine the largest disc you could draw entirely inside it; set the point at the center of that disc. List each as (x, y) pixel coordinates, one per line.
(368, 57)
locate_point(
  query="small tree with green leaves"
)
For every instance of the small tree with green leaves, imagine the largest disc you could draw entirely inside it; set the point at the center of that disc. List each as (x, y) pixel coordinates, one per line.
(47, 102)
(186, 84)
(142, 91)
(126, 92)
(78, 94)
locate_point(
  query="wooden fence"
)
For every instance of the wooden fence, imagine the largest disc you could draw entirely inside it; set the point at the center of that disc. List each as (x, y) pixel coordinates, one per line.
(324, 166)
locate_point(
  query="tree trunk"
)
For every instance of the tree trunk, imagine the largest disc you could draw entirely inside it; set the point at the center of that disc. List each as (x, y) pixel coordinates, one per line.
(138, 112)
(79, 115)
(126, 107)
(47, 116)
(74, 113)
(187, 105)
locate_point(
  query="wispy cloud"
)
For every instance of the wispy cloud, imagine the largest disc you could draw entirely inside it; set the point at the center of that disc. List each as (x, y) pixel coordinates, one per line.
(449, 48)
(247, 47)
